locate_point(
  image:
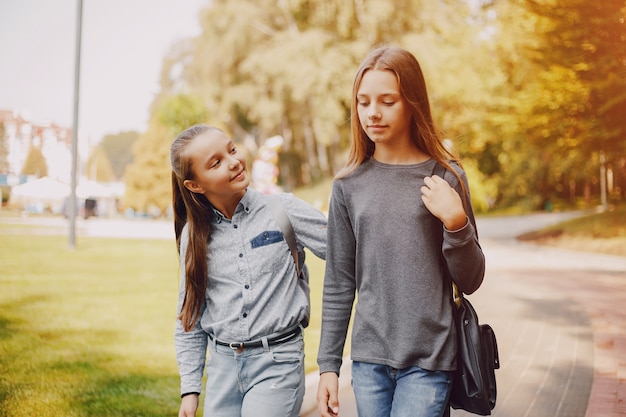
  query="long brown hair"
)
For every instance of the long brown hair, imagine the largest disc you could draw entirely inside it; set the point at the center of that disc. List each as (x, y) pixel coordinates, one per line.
(195, 210)
(424, 134)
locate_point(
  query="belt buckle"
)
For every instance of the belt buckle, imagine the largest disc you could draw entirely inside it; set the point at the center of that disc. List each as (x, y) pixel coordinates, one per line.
(238, 346)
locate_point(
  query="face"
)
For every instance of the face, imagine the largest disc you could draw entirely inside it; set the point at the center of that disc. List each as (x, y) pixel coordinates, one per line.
(219, 170)
(382, 111)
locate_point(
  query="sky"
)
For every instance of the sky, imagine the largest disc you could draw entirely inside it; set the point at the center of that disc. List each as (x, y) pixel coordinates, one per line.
(123, 45)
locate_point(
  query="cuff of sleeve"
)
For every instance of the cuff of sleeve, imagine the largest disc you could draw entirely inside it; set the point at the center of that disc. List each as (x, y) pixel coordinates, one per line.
(190, 387)
(460, 236)
(467, 222)
(188, 393)
(329, 367)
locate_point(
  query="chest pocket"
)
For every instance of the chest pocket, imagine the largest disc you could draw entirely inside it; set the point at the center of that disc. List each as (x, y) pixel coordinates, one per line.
(268, 257)
(266, 238)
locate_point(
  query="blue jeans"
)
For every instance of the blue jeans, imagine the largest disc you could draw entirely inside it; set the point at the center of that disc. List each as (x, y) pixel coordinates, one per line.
(256, 382)
(383, 391)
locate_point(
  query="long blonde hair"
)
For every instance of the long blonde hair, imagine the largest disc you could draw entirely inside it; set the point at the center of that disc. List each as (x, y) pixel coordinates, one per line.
(195, 210)
(424, 134)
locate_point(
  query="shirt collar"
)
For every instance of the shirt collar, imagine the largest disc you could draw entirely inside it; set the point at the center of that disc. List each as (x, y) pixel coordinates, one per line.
(244, 204)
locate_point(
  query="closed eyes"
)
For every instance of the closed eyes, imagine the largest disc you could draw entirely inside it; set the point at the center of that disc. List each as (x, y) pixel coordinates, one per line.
(385, 103)
(217, 162)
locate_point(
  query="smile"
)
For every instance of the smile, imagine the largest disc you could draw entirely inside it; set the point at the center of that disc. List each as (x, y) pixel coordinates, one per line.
(239, 176)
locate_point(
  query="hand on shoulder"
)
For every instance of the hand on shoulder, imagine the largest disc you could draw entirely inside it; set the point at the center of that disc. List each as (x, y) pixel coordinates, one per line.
(443, 202)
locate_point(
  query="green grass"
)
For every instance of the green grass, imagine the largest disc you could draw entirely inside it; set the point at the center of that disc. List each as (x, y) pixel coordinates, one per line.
(318, 195)
(600, 232)
(607, 224)
(89, 331)
(595, 225)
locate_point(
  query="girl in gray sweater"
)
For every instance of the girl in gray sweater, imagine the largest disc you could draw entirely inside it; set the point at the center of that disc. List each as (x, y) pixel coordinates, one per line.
(397, 236)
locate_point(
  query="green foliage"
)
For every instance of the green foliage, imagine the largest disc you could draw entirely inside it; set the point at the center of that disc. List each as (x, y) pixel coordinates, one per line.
(35, 163)
(529, 91)
(118, 149)
(588, 39)
(98, 167)
(286, 69)
(483, 190)
(547, 126)
(148, 178)
(178, 112)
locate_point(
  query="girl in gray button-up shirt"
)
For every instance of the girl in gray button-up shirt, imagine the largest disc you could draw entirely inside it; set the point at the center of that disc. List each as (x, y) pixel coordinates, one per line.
(240, 297)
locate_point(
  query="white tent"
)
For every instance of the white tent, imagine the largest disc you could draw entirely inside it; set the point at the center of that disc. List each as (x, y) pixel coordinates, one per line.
(40, 193)
(92, 189)
(44, 188)
(48, 194)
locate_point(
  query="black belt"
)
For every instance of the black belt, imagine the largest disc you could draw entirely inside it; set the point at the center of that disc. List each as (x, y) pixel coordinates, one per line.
(274, 340)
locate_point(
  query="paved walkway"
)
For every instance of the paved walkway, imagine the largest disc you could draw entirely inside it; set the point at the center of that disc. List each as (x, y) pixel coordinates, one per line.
(560, 320)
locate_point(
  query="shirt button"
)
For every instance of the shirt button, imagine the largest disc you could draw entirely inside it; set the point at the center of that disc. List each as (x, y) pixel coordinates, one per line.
(234, 226)
(241, 255)
(245, 315)
(247, 287)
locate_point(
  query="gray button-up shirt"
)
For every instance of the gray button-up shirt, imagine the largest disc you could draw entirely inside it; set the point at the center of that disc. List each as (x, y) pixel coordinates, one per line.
(253, 289)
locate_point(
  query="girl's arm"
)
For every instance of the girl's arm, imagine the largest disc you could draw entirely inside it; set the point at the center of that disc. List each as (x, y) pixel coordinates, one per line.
(463, 255)
(339, 284)
(309, 224)
(191, 347)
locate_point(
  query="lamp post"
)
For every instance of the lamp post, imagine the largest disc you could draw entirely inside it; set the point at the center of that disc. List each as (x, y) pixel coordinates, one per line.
(72, 214)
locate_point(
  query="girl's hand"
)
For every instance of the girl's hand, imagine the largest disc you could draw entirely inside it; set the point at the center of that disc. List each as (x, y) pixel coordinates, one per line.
(188, 406)
(443, 202)
(327, 395)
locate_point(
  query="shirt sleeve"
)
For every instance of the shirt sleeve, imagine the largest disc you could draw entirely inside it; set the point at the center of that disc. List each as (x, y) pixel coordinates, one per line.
(339, 285)
(461, 249)
(309, 225)
(191, 346)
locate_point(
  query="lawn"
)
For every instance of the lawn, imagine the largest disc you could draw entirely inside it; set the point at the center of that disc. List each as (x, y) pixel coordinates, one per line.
(601, 232)
(89, 331)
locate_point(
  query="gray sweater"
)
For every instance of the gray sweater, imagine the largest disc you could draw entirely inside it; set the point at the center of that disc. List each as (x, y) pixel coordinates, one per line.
(387, 248)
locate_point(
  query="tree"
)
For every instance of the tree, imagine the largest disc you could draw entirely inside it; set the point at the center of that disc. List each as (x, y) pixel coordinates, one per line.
(98, 167)
(35, 163)
(118, 148)
(267, 68)
(148, 177)
(579, 97)
(511, 100)
(590, 39)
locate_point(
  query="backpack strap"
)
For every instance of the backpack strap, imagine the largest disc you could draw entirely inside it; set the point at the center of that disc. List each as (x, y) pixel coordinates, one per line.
(439, 170)
(285, 226)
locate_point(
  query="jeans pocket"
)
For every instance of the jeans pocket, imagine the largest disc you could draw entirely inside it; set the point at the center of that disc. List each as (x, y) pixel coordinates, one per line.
(291, 351)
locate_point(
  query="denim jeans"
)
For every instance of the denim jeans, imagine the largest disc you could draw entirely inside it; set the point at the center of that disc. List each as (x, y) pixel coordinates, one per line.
(383, 391)
(256, 382)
